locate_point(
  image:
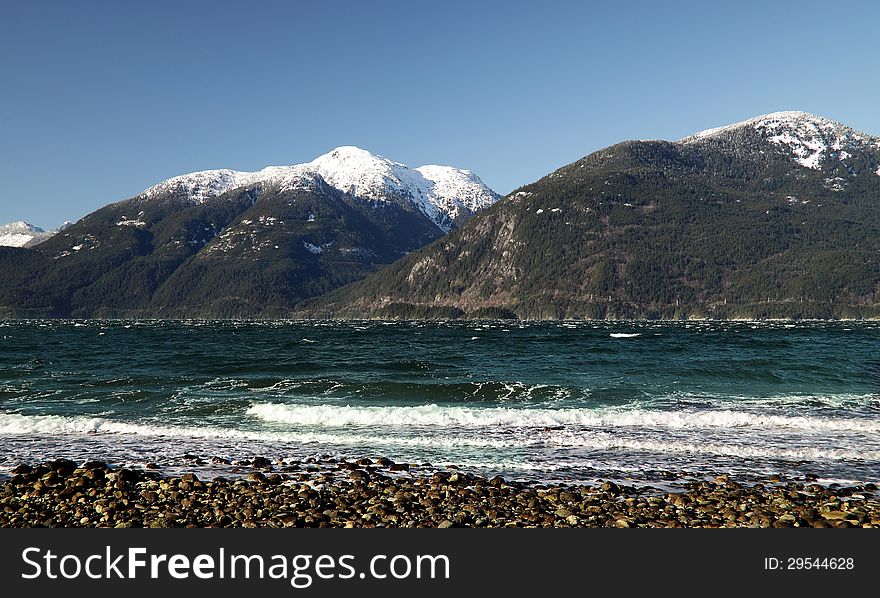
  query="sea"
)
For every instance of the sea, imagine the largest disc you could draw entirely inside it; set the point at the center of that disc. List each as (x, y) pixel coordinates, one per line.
(651, 404)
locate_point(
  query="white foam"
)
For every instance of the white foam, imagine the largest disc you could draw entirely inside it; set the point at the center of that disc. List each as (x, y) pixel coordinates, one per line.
(452, 416)
(16, 424)
(625, 334)
(610, 442)
(456, 433)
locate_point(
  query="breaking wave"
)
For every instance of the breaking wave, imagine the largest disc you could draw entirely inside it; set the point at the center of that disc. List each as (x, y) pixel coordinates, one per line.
(453, 416)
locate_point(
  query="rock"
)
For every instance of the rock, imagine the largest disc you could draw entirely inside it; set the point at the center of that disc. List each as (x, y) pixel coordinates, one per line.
(399, 467)
(610, 487)
(448, 498)
(359, 475)
(21, 469)
(364, 461)
(384, 462)
(50, 479)
(127, 475)
(63, 467)
(261, 463)
(567, 497)
(832, 515)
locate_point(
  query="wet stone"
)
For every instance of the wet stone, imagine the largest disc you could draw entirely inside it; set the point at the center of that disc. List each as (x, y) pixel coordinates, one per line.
(49, 495)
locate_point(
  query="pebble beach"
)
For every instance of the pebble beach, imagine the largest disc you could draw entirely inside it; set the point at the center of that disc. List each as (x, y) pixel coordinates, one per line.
(376, 492)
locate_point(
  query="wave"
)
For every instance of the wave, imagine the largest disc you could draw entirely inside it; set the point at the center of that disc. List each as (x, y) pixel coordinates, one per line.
(536, 444)
(788, 402)
(425, 392)
(452, 416)
(756, 450)
(539, 445)
(13, 423)
(625, 334)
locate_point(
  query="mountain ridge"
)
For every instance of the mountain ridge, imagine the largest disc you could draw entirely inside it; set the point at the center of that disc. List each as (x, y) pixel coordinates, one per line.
(443, 193)
(775, 216)
(810, 139)
(24, 234)
(736, 221)
(223, 243)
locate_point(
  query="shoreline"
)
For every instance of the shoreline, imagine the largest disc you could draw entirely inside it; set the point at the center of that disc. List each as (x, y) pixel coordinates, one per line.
(376, 492)
(6, 318)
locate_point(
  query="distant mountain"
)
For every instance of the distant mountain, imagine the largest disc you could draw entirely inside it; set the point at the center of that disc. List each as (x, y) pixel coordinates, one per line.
(443, 194)
(223, 243)
(23, 234)
(775, 216)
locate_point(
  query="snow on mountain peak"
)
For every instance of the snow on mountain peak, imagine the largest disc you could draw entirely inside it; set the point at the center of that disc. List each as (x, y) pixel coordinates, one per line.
(441, 193)
(808, 139)
(22, 234)
(458, 191)
(22, 227)
(200, 186)
(358, 172)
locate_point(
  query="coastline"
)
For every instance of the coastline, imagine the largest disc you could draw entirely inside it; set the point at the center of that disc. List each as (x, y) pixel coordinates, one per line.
(380, 493)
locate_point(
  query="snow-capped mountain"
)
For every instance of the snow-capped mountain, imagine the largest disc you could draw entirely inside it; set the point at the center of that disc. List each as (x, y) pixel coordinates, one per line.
(775, 216)
(444, 194)
(809, 140)
(22, 234)
(224, 242)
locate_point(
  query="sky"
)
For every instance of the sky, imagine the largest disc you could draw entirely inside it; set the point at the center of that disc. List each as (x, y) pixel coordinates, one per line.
(100, 100)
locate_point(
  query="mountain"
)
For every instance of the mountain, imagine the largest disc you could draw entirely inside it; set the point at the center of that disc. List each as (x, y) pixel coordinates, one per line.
(23, 234)
(443, 194)
(223, 243)
(776, 216)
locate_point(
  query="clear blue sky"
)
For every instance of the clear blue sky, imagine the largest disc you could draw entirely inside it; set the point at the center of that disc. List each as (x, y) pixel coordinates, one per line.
(99, 100)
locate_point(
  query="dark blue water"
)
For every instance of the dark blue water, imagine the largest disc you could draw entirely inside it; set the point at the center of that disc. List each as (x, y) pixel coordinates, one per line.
(572, 401)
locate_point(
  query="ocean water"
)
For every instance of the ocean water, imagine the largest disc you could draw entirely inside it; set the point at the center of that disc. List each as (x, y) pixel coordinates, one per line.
(644, 403)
